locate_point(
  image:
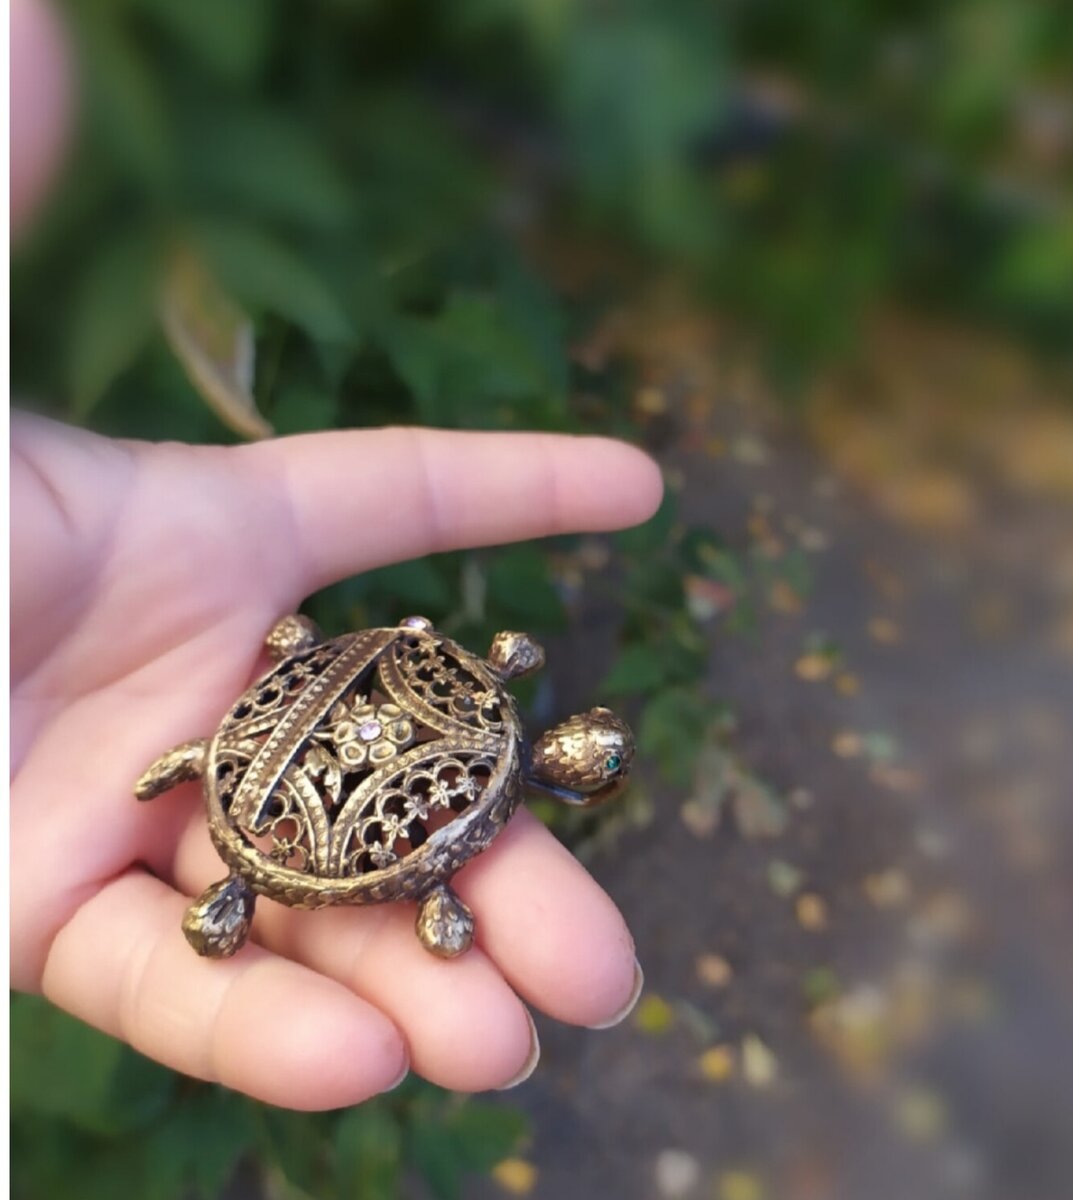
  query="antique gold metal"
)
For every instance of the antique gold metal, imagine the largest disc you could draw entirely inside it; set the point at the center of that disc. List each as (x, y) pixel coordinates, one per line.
(370, 767)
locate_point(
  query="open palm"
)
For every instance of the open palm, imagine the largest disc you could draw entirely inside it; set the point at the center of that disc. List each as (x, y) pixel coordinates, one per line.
(144, 578)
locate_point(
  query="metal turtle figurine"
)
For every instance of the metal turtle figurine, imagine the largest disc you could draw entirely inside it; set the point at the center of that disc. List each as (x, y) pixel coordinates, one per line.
(369, 768)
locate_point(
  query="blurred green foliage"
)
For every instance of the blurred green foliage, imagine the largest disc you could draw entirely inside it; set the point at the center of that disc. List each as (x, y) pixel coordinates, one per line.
(358, 176)
(90, 1118)
(368, 180)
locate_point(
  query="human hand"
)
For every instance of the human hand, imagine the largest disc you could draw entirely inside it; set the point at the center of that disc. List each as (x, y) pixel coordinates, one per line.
(143, 580)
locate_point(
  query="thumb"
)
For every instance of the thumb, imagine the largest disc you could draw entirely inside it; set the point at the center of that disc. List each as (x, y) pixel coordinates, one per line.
(40, 103)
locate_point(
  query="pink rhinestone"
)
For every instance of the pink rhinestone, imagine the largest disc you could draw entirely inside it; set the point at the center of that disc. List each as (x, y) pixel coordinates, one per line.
(370, 731)
(422, 623)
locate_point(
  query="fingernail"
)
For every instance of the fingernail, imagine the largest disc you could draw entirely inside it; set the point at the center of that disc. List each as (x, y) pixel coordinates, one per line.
(530, 1064)
(631, 1003)
(400, 1079)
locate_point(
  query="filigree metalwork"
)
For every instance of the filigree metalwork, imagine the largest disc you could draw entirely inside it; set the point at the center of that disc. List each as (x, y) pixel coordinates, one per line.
(370, 768)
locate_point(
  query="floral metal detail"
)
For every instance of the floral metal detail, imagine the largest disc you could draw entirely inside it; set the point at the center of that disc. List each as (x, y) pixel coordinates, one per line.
(363, 733)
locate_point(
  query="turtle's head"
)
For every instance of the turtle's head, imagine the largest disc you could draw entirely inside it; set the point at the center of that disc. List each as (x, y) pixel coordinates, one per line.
(585, 760)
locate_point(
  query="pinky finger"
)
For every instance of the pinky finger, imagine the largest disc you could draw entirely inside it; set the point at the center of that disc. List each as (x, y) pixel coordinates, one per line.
(257, 1023)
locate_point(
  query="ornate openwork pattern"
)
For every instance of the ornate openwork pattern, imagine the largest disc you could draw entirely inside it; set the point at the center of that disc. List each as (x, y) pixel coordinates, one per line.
(371, 768)
(446, 688)
(388, 817)
(257, 710)
(346, 759)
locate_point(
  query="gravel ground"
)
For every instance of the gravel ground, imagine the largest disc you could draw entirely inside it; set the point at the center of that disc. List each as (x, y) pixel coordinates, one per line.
(877, 1002)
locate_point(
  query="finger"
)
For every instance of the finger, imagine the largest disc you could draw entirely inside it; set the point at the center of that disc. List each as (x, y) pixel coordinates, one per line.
(257, 1023)
(40, 99)
(364, 498)
(550, 928)
(551, 932)
(464, 1026)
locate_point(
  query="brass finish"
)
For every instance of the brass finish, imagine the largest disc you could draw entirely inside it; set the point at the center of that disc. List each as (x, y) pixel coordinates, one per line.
(179, 765)
(515, 655)
(290, 636)
(444, 924)
(369, 768)
(586, 759)
(218, 922)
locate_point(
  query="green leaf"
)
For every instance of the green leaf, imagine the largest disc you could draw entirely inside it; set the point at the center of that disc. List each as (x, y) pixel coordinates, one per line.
(113, 316)
(656, 583)
(269, 165)
(639, 668)
(655, 534)
(62, 1069)
(127, 110)
(472, 354)
(538, 315)
(672, 731)
(724, 566)
(630, 145)
(466, 1137)
(368, 1153)
(432, 1150)
(54, 1159)
(302, 408)
(234, 48)
(420, 584)
(294, 1145)
(265, 273)
(217, 1131)
(484, 1133)
(201, 1142)
(1036, 267)
(520, 590)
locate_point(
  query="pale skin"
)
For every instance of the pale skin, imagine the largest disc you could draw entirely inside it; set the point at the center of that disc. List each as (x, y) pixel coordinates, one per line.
(144, 578)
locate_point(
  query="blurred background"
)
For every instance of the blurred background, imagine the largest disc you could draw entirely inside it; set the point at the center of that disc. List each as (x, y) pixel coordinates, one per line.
(819, 259)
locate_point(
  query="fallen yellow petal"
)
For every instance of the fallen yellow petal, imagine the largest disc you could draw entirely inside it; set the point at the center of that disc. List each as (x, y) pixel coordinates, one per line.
(758, 1064)
(811, 912)
(847, 744)
(888, 889)
(717, 1064)
(812, 667)
(653, 1014)
(515, 1175)
(714, 970)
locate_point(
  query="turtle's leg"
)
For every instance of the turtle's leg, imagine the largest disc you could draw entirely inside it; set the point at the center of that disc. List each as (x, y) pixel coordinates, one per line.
(291, 635)
(218, 922)
(178, 765)
(515, 655)
(444, 923)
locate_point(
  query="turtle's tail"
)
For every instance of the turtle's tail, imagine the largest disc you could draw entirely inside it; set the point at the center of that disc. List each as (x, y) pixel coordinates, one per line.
(178, 765)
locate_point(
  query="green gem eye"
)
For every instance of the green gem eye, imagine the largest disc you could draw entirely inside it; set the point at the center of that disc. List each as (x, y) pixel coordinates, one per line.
(613, 763)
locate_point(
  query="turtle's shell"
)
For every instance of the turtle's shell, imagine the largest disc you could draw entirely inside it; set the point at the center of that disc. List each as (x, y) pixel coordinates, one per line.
(365, 769)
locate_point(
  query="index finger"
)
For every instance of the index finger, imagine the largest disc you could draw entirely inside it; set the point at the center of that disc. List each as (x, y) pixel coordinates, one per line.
(364, 498)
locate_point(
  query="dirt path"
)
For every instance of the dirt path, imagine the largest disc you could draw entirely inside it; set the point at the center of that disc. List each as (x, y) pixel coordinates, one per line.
(878, 1002)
